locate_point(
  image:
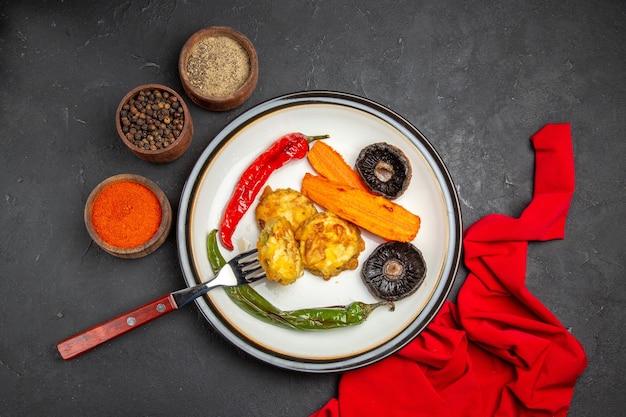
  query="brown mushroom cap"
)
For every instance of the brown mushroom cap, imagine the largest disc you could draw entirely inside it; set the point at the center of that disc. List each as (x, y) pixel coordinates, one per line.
(394, 270)
(385, 169)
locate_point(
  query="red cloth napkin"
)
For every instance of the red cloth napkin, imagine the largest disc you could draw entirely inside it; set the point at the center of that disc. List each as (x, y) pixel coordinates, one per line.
(498, 351)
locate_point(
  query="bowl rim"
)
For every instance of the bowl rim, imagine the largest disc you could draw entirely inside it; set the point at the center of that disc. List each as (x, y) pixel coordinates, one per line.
(151, 244)
(238, 96)
(152, 86)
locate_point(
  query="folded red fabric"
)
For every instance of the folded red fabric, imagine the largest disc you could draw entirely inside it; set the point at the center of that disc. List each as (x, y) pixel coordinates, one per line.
(498, 351)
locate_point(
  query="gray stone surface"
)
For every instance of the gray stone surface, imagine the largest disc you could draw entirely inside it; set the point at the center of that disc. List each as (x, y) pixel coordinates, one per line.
(477, 78)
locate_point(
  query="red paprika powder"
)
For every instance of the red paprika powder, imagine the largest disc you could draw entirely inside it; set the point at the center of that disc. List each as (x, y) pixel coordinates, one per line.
(126, 214)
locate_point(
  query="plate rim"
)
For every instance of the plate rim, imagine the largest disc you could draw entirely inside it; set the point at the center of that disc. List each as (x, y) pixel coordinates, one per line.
(455, 223)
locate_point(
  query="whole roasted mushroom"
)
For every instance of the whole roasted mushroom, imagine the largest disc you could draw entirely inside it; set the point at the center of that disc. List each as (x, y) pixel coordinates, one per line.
(394, 270)
(385, 169)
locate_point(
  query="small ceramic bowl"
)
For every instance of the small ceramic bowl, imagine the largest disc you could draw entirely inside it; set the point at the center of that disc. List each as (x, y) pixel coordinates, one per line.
(218, 68)
(148, 244)
(161, 151)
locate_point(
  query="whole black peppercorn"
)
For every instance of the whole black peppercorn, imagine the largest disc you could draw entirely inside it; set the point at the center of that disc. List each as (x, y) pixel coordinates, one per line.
(152, 119)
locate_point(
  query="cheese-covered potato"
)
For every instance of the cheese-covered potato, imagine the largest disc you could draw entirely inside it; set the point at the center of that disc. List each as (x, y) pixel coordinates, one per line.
(329, 244)
(279, 254)
(284, 202)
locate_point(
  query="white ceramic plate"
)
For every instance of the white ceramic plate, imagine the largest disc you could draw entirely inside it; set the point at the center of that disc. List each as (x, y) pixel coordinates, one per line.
(352, 123)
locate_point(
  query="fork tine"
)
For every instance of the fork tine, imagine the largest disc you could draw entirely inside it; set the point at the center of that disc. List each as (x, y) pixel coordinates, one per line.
(247, 266)
(248, 257)
(254, 270)
(255, 276)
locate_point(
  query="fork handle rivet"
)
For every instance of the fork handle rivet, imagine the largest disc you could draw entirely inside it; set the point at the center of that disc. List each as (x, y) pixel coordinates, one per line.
(131, 321)
(160, 307)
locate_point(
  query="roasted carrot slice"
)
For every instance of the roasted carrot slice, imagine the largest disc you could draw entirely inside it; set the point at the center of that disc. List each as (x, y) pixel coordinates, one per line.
(329, 163)
(373, 213)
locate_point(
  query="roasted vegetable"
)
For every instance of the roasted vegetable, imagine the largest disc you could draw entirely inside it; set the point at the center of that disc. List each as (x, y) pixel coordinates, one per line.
(279, 252)
(317, 318)
(376, 214)
(329, 244)
(394, 270)
(294, 206)
(384, 169)
(327, 162)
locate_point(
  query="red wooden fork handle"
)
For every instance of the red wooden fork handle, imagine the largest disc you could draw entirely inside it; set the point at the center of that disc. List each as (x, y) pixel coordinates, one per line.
(90, 338)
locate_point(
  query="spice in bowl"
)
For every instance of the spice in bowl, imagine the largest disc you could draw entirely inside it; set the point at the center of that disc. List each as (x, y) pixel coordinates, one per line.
(218, 68)
(154, 122)
(128, 216)
(152, 119)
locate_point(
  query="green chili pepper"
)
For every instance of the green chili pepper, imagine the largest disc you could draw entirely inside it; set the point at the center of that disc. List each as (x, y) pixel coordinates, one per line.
(216, 260)
(255, 304)
(331, 317)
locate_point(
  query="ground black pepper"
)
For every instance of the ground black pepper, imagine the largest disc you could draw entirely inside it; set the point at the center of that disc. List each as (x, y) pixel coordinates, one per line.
(152, 119)
(218, 66)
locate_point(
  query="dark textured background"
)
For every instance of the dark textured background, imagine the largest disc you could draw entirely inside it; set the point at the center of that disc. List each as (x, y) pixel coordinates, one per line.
(477, 78)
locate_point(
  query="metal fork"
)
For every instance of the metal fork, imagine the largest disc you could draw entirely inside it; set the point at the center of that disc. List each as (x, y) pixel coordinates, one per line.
(242, 269)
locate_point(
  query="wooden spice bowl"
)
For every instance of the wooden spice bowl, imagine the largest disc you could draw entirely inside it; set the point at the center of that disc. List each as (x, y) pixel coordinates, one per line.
(150, 244)
(173, 149)
(214, 70)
